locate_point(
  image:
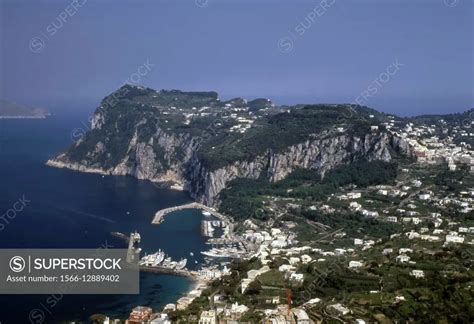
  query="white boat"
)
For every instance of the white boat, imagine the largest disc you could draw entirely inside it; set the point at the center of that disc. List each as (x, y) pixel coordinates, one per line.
(160, 257)
(181, 264)
(215, 253)
(172, 264)
(147, 260)
(206, 213)
(167, 263)
(152, 260)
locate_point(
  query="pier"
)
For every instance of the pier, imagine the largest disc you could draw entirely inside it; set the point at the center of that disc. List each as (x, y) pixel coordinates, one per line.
(159, 216)
(170, 271)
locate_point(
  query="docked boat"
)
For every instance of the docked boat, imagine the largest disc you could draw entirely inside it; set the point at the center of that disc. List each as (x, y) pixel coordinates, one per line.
(153, 260)
(223, 252)
(215, 253)
(167, 263)
(181, 264)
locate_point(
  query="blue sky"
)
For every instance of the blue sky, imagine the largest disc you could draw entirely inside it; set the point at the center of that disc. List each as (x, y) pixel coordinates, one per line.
(415, 56)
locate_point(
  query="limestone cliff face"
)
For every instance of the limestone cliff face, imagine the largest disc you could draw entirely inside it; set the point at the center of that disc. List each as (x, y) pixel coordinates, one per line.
(321, 154)
(156, 159)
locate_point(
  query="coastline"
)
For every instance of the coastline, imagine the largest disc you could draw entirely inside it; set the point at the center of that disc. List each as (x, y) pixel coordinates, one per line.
(75, 167)
(23, 117)
(165, 184)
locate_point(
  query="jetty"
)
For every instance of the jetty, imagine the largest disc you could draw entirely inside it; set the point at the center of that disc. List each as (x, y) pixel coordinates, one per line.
(160, 214)
(170, 271)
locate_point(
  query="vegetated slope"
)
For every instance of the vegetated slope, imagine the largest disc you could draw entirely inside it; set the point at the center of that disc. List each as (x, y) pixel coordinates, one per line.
(197, 140)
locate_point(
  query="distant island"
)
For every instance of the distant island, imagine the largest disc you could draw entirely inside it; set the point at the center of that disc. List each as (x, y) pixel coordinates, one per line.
(11, 110)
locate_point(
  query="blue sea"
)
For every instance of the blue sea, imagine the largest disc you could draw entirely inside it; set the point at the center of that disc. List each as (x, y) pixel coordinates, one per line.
(67, 209)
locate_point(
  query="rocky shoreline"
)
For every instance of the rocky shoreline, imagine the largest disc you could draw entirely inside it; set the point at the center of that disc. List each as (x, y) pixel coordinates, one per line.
(322, 154)
(75, 167)
(161, 183)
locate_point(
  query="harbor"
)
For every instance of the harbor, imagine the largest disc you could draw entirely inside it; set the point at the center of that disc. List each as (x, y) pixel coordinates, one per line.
(156, 262)
(223, 222)
(218, 231)
(160, 263)
(216, 228)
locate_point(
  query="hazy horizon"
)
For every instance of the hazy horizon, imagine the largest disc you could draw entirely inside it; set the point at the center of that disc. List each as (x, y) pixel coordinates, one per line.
(400, 57)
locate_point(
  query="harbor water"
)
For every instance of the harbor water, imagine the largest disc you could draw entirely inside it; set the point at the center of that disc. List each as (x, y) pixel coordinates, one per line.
(66, 209)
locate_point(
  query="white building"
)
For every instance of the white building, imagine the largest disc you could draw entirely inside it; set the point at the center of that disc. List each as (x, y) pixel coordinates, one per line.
(301, 316)
(306, 259)
(387, 251)
(340, 309)
(297, 278)
(354, 205)
(430, 238)
(286, 268)
(454, 239)
(208, 317)
(403, 258)
(424, 196)
(417, 273)
(412, 235)
(358, 242)
(294, 260)
(355, 264)
(279, 243)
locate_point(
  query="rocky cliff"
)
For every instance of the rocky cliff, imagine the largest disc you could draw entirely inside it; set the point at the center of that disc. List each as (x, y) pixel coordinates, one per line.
(140, 138)
(321, 154)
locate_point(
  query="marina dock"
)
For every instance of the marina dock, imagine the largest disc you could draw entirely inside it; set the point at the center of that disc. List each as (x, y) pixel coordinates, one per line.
(164, 270)
(159, 215)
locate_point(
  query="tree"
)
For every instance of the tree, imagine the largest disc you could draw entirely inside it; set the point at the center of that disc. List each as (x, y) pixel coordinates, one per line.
(253, 288)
